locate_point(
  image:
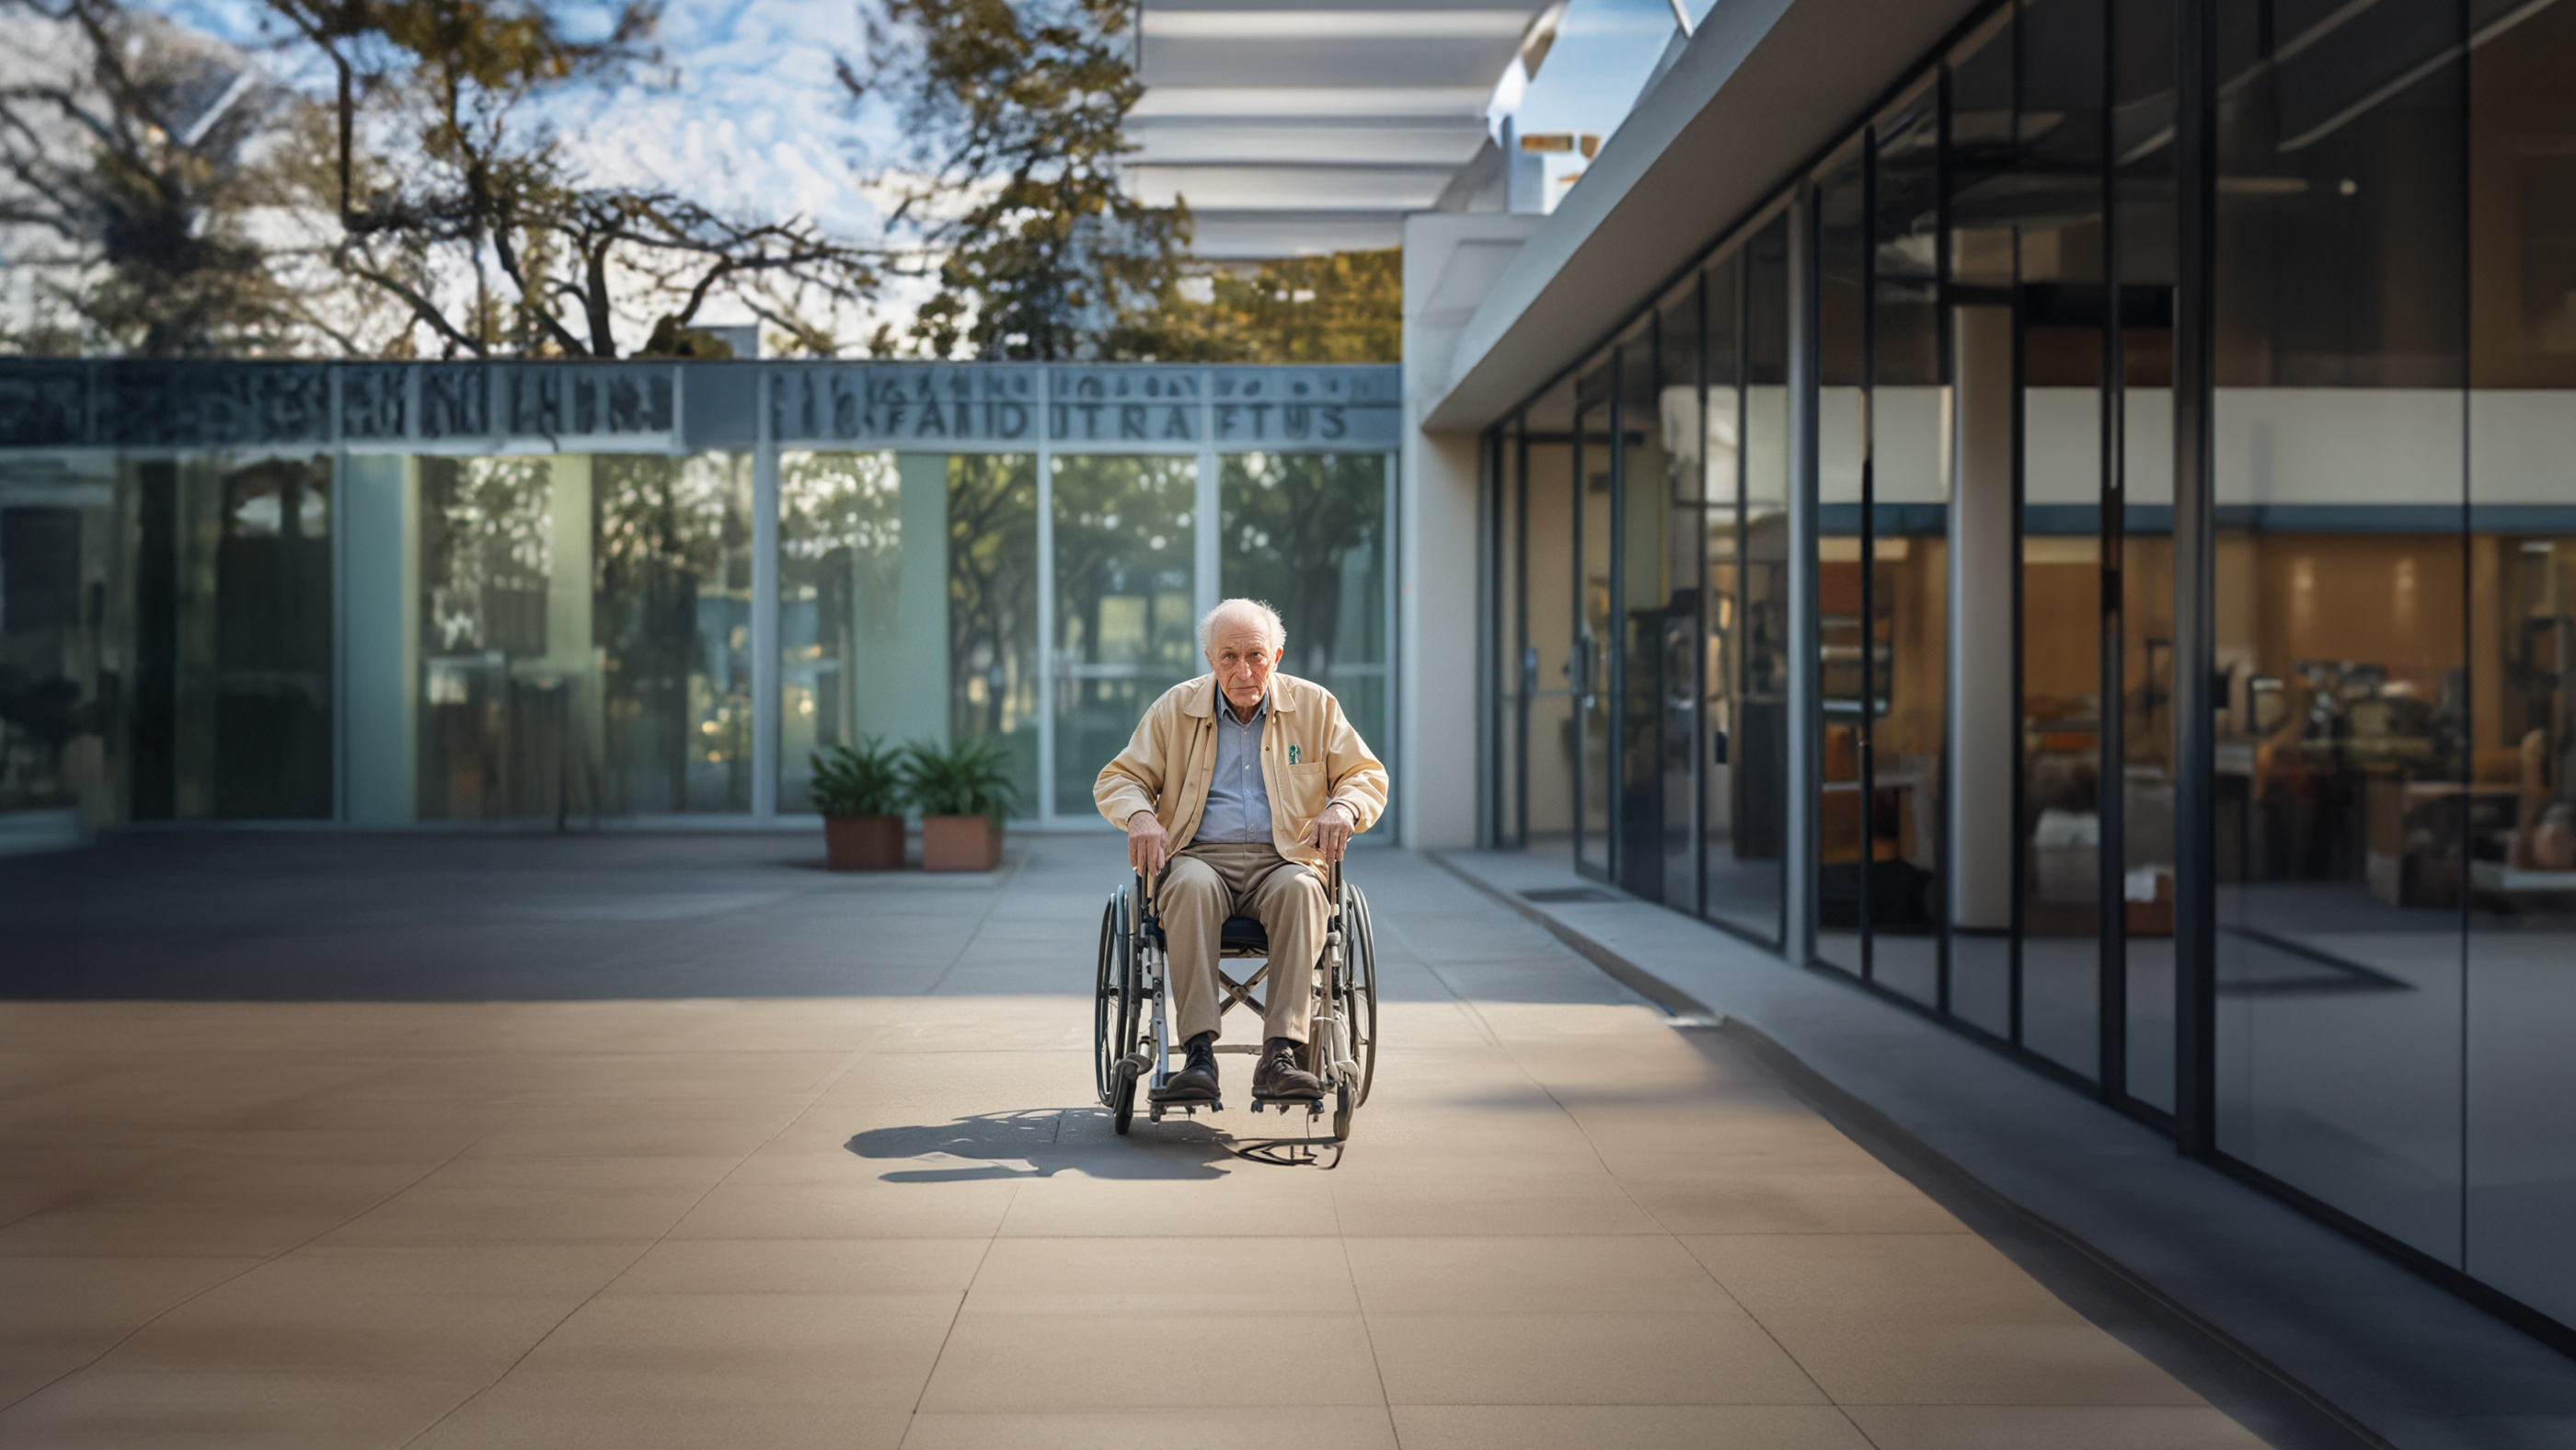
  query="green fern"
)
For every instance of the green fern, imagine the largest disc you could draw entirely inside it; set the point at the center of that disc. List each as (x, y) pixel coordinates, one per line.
(970, 777)
(850, 783)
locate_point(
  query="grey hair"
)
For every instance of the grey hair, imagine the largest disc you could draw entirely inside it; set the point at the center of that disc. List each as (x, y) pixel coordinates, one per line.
(1278, 631)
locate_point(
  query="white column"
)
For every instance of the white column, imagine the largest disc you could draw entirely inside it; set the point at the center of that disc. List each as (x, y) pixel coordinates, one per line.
(1435, 646)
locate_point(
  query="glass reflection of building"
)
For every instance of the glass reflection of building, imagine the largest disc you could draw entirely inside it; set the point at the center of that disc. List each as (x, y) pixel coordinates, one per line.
(385, 594)
(1861, 592)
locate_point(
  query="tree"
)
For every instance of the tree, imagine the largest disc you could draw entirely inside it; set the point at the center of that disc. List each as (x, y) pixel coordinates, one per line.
(454, 201)
(131, 149)
(1014, 110)
(1347, 307)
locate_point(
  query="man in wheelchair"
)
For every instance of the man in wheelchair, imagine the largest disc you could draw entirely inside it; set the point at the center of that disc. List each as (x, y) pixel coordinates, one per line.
(1235, 788)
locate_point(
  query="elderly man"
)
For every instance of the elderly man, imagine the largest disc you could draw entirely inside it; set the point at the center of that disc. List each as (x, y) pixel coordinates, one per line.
(1244, 781)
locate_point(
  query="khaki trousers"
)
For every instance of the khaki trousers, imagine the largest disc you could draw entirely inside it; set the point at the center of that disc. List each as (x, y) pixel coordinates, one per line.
(1209, 882)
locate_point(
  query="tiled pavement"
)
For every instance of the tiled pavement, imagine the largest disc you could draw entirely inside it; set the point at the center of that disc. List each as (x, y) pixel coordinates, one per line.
(811, 1161)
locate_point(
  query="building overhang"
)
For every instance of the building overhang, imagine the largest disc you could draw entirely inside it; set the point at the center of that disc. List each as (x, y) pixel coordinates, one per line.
(1296, 127)
(1762, 87)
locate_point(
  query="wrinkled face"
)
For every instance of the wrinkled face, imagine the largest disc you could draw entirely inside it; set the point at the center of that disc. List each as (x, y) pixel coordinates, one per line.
(1240, 653)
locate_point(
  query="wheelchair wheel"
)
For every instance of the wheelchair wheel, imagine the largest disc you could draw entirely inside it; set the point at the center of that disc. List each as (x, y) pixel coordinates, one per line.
(1359, 992)
(1105, 1024)
(1131, 1019)
(1114, 1017)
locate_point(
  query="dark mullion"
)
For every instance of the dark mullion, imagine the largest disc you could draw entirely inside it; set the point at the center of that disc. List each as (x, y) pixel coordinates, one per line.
(1867, 741)
(1578, 661)
(2195, 570)
(1946, 343)
(2111, 1020)
(2020, 698)
(1520, 628)
(1742, 664)
(1699, 607)
(1614, 714)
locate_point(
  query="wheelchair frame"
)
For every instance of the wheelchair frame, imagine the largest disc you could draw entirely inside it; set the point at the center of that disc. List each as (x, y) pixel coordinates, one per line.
(1132, 1037)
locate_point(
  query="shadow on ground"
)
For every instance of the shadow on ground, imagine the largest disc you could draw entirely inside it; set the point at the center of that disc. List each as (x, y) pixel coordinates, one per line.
(1041, 1143)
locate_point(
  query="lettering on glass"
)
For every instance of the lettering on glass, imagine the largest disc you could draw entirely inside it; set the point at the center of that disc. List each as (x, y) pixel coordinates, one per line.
(372, 402)
(41, 405)
(900, 405)
(454, 401)
(1125, 405)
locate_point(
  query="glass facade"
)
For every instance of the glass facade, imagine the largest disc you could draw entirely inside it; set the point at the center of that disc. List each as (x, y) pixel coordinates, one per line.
(395, 593)
(2324, 941)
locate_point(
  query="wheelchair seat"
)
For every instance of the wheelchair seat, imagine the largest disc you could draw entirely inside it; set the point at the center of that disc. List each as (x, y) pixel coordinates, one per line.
(1243, 936)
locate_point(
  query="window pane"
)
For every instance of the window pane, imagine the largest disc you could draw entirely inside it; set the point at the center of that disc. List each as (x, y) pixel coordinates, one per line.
(508, 695)
(1125, 627)
(1761, 753)
(2340, 421)
(1306, 533)
(992, 635)
(672, 624)
(2522, 632)
(2064, 331)
(1852, 634)
(1910, 491)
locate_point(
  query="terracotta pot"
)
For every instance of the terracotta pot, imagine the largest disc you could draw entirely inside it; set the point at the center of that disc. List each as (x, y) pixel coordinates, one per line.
(863, 843)
(960, 843)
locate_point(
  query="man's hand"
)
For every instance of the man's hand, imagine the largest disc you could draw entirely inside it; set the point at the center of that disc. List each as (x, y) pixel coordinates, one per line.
(1331, 830)
(1148, 845)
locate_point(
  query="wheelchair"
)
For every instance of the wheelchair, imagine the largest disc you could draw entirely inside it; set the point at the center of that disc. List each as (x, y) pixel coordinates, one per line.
(1132, 1039)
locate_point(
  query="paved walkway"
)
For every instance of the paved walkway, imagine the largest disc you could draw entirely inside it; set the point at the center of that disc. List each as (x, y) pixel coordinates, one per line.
(638, 1142)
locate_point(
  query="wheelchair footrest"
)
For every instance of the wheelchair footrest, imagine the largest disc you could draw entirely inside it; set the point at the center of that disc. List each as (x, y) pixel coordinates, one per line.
(1314, 1106)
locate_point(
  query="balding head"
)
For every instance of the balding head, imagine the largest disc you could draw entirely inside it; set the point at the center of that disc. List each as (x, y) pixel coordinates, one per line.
(1242, 639)
(1242, 614)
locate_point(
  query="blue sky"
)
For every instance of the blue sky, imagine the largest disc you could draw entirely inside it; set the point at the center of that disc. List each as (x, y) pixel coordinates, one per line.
(747, 115)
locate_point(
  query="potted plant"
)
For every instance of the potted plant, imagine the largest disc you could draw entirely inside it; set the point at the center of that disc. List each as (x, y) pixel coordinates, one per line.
(860, 792)
(963, 791)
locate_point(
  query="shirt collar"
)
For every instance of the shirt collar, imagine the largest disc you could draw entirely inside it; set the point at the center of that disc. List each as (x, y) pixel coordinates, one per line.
(1225, 710)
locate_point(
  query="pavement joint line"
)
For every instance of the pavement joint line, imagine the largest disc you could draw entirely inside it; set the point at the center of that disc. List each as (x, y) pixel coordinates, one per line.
(2289, 1412)
(169, 1309)
(792, 1119)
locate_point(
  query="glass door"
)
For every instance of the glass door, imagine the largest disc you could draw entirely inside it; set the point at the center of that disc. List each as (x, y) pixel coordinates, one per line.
(1125, 596)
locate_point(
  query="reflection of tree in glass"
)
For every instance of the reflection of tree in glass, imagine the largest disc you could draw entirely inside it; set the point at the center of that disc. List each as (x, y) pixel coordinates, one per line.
(992, 595)
(668, 529)
(1123, 553)
(840, 541)
(1295, 525)
(486, 553)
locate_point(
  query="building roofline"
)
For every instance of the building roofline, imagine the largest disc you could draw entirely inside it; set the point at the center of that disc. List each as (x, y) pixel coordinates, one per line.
(1762, 87)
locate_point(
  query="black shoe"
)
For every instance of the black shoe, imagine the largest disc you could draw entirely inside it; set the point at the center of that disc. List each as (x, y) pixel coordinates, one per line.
(1280, 1076)
(1196, 1081)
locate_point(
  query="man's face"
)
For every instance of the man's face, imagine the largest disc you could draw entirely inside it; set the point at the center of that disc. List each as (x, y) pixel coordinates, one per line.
(1242, 659)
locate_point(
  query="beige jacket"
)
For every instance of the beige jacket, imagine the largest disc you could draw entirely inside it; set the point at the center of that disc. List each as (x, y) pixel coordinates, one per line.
(1310, 758)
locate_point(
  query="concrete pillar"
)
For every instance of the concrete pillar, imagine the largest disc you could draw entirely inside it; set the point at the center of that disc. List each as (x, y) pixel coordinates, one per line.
(379, 638)
(1435, 658)
(1984, 711)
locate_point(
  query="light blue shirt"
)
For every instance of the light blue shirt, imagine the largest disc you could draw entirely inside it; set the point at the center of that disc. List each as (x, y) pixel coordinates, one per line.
(1238, 801)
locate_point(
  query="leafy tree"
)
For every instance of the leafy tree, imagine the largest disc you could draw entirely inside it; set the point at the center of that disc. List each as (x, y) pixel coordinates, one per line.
(1014, 113)
(1346, 307)
(134, 161)
(437, 171)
